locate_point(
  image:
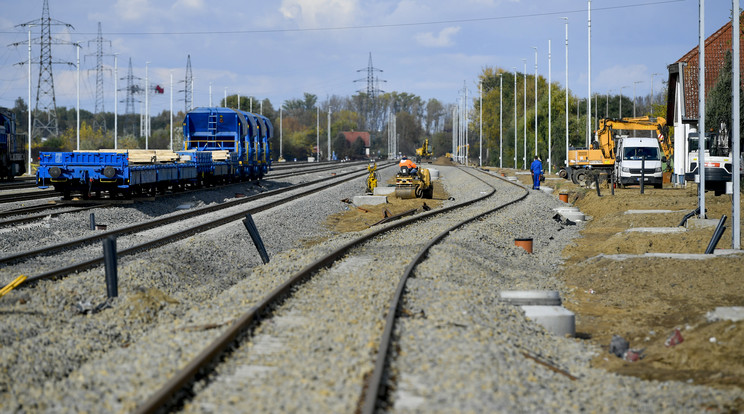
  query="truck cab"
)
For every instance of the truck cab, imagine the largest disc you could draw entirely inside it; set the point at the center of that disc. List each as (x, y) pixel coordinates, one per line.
(634, 154)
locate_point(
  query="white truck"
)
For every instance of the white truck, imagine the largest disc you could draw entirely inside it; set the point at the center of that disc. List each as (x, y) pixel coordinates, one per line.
(719, 160)
(636, 158)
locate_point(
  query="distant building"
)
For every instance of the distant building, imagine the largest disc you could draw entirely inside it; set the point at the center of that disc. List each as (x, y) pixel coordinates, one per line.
(352, 136)
(682, 98)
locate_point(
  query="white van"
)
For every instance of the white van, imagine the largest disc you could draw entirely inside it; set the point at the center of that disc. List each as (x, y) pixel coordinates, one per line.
(630, 156)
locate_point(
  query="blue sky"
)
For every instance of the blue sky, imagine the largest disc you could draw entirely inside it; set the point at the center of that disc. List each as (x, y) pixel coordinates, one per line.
(280, 49)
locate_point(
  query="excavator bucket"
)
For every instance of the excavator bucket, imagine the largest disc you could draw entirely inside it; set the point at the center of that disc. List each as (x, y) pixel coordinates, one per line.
(405, 192)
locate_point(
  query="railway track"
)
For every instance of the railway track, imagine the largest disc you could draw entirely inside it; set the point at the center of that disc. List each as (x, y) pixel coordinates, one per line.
(82, 205)
(338, 271)
(236, 213)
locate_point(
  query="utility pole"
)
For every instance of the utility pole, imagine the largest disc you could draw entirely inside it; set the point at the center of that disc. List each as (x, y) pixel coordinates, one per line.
(147, 105)
(515, 118)
(317, 134)
(701, 109)
(524, 113)
(171, 110)
(501, 126)
(567, 144)
(329, 132)
(589, 76)
(116, 101)
(736, 202)
(634, 97)
(550, 112)
(480, 136)
(525, 155)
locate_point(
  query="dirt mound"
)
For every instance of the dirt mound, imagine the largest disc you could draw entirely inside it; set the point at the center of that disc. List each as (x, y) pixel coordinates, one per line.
(645, 299)
(443, 161)
(358, 218)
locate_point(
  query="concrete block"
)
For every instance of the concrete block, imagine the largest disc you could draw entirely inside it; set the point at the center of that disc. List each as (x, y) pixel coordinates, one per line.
(726, 313)
(653, 211)
(702, 223)
(434, 173)
(556, 319)
(662, 230)
(531, 297)
(384, 191)
(369, 200)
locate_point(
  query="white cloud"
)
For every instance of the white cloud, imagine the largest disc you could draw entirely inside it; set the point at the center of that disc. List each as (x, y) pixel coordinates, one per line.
(317, 13)
(132, 9)
(443, 39)
(189, 5)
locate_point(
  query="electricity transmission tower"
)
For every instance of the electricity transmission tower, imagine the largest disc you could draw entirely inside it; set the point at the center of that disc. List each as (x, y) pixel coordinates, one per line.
(370, 106)
(188, 87)
(99, 121)
(372, 81)
(131, 90)
(46, 103)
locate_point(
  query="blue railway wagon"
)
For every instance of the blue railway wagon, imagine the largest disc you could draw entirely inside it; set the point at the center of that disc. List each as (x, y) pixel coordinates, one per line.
(244, 135)
(91, 173)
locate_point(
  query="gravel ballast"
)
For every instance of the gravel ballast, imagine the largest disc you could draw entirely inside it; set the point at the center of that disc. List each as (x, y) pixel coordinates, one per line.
(458, 347)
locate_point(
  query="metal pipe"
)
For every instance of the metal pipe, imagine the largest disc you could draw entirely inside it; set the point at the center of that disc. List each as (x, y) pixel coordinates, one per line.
(720, 228)
(109, 259)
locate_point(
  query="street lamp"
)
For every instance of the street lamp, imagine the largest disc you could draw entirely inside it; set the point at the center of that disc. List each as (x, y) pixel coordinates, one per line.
(652, 86)
(566, 19)
(501, 130)
(524, 108)
(515, 118)
(525, 153)
(634, 97)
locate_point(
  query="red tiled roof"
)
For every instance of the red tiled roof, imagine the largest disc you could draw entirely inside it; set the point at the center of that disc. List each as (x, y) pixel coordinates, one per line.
(353, 135)
(716, 46)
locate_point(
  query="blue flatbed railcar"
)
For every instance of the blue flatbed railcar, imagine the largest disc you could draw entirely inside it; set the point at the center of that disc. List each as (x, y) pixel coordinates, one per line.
(220, 145)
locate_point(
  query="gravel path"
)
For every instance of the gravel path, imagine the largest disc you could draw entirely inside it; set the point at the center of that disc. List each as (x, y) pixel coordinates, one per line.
(459, 349)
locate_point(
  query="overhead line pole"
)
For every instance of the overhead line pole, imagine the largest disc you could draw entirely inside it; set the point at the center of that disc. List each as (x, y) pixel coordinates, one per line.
(589, 76)
(525, 155)
(501, 126)
(736, 181)
(566, 19)
(701, 108)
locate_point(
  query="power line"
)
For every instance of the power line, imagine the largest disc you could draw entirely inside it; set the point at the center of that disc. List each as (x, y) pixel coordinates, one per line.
(389, 25)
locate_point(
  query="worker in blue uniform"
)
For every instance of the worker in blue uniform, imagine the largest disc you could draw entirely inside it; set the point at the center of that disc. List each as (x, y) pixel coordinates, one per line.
(537, 170)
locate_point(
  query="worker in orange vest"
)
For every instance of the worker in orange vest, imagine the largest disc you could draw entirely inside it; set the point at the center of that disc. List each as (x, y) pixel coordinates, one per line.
(405, 162)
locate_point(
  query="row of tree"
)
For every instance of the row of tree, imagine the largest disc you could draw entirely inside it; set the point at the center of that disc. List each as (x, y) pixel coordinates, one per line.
(304, 122)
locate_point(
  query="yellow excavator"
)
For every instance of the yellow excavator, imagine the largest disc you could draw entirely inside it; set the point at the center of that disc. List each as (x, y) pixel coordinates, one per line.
(424, 152)
(413, 184)
(600, 158)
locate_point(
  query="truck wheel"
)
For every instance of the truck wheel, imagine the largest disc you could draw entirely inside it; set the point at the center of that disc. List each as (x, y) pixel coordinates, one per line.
(580, 178)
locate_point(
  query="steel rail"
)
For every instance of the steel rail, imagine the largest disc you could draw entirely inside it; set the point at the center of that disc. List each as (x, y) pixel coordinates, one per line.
(35, 195)
(179, 235)
(41, 216)
(165, 395)
(371, 392)
(164, 220)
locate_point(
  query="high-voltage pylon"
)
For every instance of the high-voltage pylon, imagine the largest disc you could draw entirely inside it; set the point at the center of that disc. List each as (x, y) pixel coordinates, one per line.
(370, 109)
(131, 90)
(372, 81)
(99, 122)
(46, 103)
(188, 86)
